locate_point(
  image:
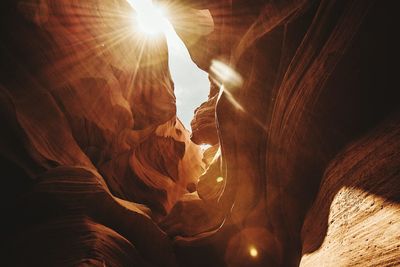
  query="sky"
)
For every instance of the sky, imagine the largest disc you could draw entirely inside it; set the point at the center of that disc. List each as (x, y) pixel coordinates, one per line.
(191, 83)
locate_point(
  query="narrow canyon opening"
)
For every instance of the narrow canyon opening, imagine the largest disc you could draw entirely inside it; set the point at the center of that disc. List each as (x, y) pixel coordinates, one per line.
(191, 133)
(191, 84)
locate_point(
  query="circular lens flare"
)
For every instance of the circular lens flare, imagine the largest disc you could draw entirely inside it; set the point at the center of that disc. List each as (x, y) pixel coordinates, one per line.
(253, 251)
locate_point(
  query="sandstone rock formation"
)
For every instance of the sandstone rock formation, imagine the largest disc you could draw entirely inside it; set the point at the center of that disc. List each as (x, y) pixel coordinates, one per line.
(304, 162)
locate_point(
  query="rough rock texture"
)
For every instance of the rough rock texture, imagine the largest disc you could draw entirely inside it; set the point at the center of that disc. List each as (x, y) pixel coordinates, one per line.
(355, 217)
(97, 170)
(203, 125)
(89, 136)
(318, 75)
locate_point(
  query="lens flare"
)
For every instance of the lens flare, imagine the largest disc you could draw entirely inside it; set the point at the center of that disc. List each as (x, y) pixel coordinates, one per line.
(225, 75)
(253, 251)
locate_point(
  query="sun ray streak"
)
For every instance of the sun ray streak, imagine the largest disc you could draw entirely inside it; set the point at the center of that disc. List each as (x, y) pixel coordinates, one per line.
(191, 84)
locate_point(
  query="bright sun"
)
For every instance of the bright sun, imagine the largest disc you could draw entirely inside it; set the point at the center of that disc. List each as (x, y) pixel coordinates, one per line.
(191, 84)
(150, 18)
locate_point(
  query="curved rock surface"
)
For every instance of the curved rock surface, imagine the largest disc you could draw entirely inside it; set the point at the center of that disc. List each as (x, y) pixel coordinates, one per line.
(304, 165)
(355, 217)
(87, 116)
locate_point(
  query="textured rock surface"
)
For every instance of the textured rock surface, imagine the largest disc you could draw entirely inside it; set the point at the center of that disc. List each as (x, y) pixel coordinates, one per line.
(311, 87)
(90, 136)
(97, 170)
(203, 123)
(355, 218)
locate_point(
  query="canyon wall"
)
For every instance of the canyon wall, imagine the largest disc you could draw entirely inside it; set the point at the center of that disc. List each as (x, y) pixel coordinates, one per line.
(303, 167)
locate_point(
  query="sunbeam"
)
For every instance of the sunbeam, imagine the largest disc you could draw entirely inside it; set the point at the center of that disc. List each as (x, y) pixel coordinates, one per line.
(191, 83)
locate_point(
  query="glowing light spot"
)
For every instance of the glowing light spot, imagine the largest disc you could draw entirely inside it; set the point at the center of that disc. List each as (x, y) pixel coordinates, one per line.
(220, 179)
(204, 147)
(225, 75)
(151, 24)
(228, 79)
(253, 251)
(149, 18)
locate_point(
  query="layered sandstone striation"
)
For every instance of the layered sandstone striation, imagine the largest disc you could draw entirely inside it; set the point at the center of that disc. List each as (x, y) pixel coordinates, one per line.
(303, 167)
(90, 142)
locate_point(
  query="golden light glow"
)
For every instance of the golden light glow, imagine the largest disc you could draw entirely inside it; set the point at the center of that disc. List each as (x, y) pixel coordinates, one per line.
(253, 251)
(220, 179)
(150, 18)
(204, 147)
(228, 79)
(191, 84)
(151, 22)
(225, 74)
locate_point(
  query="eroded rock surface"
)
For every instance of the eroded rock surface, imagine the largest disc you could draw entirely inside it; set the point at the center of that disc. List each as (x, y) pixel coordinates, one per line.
(304, 164)
(89, 116)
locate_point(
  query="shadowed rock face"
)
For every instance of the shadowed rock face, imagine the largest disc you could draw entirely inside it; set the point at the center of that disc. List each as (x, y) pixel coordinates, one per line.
(90, 123)
(97, 170)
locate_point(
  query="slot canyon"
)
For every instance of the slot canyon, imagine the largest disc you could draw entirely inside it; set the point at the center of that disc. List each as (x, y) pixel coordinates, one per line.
(191, 133)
